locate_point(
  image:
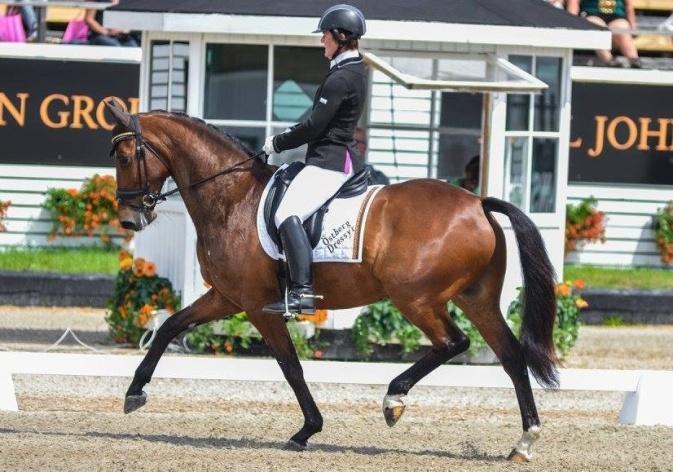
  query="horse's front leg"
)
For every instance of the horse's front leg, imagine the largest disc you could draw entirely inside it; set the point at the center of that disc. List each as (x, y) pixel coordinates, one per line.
(208, 307)
(275, 334)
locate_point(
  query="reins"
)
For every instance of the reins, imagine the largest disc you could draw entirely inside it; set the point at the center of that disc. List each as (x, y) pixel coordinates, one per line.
(162, 196)
(151, 199)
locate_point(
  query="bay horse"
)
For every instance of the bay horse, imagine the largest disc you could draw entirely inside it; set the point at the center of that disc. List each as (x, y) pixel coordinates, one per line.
(426, 242)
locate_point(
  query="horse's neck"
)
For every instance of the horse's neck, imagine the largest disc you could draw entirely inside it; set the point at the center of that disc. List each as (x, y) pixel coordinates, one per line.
(227, 197)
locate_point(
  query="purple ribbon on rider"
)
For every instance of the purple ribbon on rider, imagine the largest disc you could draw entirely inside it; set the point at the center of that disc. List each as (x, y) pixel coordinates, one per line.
(348, 165)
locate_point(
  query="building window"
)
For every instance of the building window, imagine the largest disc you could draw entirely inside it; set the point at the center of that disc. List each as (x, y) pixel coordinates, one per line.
(297, 74)
(169, 64)
(459, 143)
(236, 81)
(532, 137)
(251, 136)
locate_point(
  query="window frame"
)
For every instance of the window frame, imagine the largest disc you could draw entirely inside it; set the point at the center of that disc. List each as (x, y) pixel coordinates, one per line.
(498, 146)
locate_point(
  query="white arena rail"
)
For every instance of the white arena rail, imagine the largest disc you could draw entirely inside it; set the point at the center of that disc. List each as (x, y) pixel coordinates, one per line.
(647, 400)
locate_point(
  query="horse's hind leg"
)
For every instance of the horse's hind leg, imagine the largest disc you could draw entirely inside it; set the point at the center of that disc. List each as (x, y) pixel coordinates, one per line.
(209, 307)
(274, 331)
(447, 341)
(480, 304)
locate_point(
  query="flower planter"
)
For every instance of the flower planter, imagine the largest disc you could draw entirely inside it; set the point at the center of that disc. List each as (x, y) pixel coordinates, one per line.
(339, 346)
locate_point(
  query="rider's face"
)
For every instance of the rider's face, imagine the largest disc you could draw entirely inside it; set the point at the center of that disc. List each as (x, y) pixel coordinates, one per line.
(330, 44)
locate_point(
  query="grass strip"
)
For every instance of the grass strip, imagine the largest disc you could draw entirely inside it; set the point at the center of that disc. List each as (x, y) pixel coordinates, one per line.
(610, 277)
(60, 259)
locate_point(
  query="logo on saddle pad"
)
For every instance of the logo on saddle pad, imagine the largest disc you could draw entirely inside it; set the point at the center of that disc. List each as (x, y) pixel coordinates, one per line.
(343, 222)
(337, 237)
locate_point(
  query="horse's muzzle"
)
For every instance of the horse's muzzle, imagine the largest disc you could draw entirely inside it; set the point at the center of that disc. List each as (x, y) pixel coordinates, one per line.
(135, 220)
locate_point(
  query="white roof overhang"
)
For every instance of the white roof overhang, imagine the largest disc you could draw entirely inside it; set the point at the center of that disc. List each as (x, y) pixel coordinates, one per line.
(494, 75)
(629, 76)
(376, 29)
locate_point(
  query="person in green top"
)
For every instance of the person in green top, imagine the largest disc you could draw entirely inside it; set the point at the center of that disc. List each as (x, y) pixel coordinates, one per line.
(618, 15)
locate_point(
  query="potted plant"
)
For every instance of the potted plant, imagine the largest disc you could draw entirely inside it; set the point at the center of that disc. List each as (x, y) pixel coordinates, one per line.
(584, 223)
(664, 232)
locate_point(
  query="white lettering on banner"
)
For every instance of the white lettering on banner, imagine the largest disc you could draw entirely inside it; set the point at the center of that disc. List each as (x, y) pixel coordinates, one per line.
(58, 111)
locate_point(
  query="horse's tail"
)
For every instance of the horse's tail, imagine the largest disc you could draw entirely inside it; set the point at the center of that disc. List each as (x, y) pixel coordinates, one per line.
(539, 300)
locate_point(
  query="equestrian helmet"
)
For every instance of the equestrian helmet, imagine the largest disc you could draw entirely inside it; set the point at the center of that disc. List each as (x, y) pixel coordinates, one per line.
(343, 17)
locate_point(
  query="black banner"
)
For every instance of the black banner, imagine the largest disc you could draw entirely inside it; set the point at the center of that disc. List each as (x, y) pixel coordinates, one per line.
(621, 133)
(51, 112)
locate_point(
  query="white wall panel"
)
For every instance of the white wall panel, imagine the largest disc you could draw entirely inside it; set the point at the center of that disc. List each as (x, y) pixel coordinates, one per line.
(28, 224)
(629, 227)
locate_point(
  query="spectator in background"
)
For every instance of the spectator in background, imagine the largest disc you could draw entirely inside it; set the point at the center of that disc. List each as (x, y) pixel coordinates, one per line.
(29, 19)
(102, 36)
(376, 177)
(616, 15)
(470, 179)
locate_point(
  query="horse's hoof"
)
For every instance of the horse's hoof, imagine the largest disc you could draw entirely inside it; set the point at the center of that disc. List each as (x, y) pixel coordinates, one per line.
(518, 457)
(393, 408)
(521, 452)
(133, 402)
(295, 445)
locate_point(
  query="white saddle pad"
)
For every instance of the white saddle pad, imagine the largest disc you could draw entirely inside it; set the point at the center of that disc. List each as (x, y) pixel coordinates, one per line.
(342, 228)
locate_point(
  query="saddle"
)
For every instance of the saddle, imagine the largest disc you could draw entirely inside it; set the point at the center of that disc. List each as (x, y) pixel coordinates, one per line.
(354, 186)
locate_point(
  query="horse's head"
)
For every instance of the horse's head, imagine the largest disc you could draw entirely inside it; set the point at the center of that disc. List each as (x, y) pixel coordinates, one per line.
(141, 170)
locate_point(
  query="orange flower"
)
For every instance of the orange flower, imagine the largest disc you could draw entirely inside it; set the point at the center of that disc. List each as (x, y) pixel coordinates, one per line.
(562, 290)
(318, 318)
(149, 269)
(73, 192)
(579, 284)
(228, 346)
(146, 309)
(317, 354)
(123, 255)
(581, 303)
(141, 321)
(125, 264)
(138, 265)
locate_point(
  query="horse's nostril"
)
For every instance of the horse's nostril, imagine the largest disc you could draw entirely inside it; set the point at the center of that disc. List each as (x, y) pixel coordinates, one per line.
(129, 225)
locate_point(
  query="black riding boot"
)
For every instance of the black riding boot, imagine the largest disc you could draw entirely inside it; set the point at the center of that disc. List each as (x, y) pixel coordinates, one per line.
(299, 256)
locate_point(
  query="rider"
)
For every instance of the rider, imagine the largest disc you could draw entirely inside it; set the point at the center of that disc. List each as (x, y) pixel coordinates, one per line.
(331, 158)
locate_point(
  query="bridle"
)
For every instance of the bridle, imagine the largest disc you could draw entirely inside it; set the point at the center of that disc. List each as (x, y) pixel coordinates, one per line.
(150, 199)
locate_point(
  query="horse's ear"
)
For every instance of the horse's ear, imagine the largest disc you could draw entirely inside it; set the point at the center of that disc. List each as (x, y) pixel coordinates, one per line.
(122, 117)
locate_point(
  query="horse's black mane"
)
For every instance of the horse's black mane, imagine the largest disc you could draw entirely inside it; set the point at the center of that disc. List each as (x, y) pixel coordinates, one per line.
(230, 137)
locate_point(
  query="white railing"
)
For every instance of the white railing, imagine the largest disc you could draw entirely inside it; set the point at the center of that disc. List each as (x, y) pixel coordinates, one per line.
(647, 400)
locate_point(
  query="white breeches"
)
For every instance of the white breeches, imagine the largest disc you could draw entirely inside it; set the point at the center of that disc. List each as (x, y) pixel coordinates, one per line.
(309, 190)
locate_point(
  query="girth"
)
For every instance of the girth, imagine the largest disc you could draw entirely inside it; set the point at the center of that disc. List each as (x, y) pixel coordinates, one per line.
(354, 186)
